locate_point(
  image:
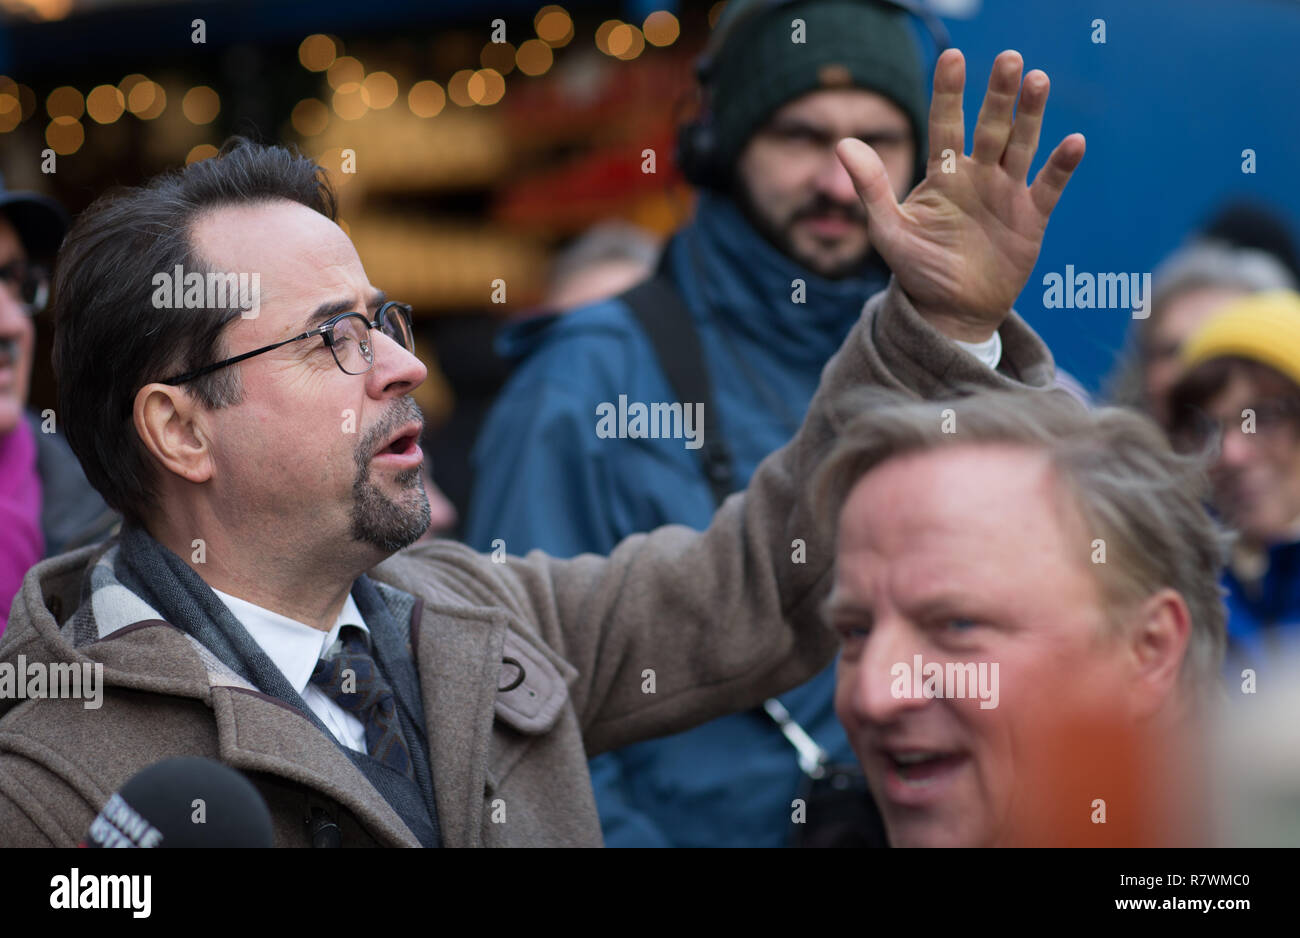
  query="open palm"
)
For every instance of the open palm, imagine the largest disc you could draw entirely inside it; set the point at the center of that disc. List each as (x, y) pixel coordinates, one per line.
(965, 240)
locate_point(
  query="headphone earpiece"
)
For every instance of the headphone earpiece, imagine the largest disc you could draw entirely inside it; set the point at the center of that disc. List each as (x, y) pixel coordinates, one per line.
(697, 152)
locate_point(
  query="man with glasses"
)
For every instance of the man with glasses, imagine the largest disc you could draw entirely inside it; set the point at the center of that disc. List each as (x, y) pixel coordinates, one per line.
(261, 605)
(46, 507)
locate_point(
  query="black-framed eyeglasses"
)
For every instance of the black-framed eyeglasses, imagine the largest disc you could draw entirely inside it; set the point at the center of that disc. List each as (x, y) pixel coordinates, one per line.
(28, 283)
(347, 335)
(1194, 430)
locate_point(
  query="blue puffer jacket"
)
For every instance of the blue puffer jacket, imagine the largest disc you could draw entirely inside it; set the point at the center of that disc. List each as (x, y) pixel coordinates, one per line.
(544, 479)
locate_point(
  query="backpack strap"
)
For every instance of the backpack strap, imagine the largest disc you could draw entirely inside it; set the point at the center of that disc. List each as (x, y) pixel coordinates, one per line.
(667, 322)
(658, 307)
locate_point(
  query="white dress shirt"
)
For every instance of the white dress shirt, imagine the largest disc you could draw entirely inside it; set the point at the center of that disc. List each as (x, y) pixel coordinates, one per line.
(989, 351)
(295, 648)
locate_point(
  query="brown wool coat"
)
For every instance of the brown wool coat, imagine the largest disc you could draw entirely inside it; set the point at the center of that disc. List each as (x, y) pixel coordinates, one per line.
(723, 618)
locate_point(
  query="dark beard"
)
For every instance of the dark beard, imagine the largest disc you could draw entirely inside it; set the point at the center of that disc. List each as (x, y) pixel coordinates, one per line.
(377, 519)
(779, 236)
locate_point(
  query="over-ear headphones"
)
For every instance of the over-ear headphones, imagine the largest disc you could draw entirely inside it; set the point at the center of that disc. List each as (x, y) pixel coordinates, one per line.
(697, 140)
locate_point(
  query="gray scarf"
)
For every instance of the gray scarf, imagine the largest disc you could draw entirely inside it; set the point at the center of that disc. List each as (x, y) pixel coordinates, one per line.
(183, 599)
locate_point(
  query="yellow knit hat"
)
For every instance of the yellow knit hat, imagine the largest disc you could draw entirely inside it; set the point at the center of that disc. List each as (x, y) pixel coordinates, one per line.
(1263, 327)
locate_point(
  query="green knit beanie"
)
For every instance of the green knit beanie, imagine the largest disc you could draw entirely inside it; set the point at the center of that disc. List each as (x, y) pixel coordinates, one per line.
(761, 66)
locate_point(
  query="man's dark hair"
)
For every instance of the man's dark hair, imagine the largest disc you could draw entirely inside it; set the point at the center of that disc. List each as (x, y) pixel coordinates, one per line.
(109, 338)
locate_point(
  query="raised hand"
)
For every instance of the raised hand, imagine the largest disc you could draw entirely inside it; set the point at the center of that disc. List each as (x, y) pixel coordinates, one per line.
(964, 242)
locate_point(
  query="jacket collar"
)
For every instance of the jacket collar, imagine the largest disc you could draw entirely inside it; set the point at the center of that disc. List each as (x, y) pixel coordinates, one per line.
(255, 732)
(258, 733)
(731, 274)
(476, 664)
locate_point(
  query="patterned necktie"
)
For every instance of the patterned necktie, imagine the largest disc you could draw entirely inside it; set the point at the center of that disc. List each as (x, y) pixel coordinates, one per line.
(352, 680)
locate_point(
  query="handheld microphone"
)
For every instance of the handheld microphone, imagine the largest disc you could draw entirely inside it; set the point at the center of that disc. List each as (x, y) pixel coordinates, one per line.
(183, 802)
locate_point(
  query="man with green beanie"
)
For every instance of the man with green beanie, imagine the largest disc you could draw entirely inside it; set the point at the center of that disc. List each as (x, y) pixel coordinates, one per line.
(766, 280)
(788, 82)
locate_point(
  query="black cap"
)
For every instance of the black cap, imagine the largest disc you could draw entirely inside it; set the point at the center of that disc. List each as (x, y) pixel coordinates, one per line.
(39, 220)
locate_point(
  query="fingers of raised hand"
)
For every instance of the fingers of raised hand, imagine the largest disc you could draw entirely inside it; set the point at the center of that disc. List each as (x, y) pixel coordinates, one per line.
(1051, 179)
(947, 123)
(870, 180)
(993, 127)
(1023, 144)
(1006, 135)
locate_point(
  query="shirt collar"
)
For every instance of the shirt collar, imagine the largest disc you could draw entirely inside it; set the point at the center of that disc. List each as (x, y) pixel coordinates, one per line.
(294, 646)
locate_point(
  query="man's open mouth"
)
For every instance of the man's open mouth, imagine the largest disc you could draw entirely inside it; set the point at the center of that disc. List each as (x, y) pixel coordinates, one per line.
(919, 766)
(913, 772)
(404, 443)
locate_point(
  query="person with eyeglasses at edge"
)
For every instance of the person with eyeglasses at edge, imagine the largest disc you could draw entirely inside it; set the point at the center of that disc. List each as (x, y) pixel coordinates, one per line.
(268, 506)
(46, 504)
(1237, 397)
(771, 274)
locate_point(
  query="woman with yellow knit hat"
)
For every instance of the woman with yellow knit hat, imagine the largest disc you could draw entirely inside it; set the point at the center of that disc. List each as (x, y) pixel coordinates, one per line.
(1239, 395)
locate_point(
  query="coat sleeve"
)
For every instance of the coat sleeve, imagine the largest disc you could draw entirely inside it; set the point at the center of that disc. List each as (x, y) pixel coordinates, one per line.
(676, 627)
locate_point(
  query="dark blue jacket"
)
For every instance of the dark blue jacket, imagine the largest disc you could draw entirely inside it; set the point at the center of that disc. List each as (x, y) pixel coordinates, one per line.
(545, 479)
(1264, 618)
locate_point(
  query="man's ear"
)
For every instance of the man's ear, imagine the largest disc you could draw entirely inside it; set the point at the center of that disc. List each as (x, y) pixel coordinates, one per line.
(1158, 639)
(171, 423)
